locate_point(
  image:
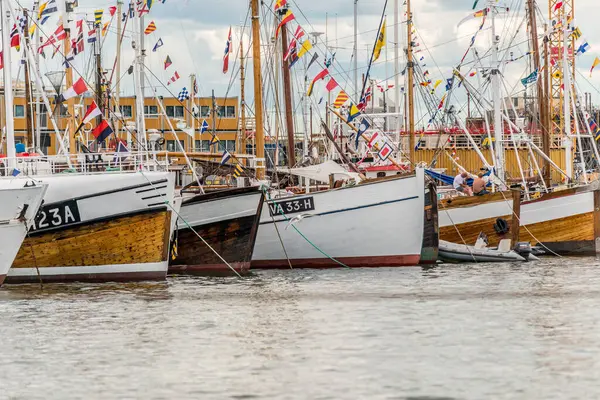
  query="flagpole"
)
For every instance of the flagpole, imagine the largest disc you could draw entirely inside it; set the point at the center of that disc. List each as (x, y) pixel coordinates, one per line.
(397, 68)
(117, 95)
(98, 58)
(364, 84)
(242, 142)
(28, 98)
(258, 93)
(69, 81)
(38, 116)
(410, 83)
(356, 47)
(8, 89)
(192, 119)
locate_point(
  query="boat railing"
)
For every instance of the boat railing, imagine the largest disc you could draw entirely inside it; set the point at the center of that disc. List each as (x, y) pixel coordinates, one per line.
(82, 163)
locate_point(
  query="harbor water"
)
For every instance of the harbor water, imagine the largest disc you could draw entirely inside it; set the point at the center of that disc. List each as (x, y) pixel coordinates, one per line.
(501, 331)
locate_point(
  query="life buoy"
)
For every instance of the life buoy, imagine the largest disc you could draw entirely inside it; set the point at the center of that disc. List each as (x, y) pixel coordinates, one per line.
(501, 226)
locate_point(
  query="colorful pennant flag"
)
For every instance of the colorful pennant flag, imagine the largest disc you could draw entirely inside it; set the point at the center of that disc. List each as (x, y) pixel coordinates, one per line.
(183, 95)
(380, 42)
(174, 78)
(279, 4)
(92, 36)
(594, 65)
(332, 84)
(168, 62)
(204, 126)
(226, 157)
(112, 10)
(340, 100)
(353, 112)
(305, 48)
(227, 52)
(102, 131)
(157, 45)
(150, 28)
(318, 77)
(238, 171)
(98, 17)
(288, 17)
(92, 112)
(77, 89)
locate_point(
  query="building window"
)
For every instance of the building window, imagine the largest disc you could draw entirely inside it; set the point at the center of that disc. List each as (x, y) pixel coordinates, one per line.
(228, 145)
(151, 111)
(126, 111)
(202, 146)
(174, 111)
(229, 111)
(19, 111)
(173, 146)
(516, 102)
(205, 111)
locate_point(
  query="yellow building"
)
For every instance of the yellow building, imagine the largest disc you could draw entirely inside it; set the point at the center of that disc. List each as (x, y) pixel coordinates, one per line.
(225, 124)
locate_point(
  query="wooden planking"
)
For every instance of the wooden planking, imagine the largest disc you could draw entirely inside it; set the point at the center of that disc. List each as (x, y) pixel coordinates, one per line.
(430, 245)
(140, 238)
(232, 239)
(570, 229)
(597, 220)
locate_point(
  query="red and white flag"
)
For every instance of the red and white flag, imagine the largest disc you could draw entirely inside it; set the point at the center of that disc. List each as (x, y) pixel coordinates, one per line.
(227, 52)
(294, 42)
(92, 112)
(78, 88)
(174, 78)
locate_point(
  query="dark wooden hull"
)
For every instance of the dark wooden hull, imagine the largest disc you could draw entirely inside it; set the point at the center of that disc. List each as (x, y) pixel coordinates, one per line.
(131, 247)
(431, 237)
(233, 239)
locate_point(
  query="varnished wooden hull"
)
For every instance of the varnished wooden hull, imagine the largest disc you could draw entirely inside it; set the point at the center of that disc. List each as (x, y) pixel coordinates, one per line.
(563, 222)
(228, 222)
(129, 247)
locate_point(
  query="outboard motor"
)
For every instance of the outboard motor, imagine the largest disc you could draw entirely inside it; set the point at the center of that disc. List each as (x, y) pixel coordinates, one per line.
(523, 249)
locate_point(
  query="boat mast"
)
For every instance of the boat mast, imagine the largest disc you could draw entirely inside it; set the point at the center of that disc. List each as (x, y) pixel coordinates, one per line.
(139, 92)
(495, 76)
(38, 108)
(28, 116)
(242, 141)
(69, 79)
(567, 102)
(192, 103)
(356, 48)
(541, 94)
(410, 78)
(213, 113)
(8, 89)
(287, 94)
(259, 132)
(117, 94)
(98, 59)
(397, 68)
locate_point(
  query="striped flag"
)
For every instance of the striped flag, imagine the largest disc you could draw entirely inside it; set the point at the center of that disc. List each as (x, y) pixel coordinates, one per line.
(227, 52)
(174, 78)
(238, 171)
(340, 100)
(98, 16)
(150, 28)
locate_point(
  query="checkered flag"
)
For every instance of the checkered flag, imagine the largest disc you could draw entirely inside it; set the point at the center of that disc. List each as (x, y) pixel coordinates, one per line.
(183, 95)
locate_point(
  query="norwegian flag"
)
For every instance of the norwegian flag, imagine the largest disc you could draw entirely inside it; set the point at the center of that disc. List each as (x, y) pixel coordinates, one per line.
(15, 38)
(174, 78)
(227, 52)
(364, 101)
(78, 43)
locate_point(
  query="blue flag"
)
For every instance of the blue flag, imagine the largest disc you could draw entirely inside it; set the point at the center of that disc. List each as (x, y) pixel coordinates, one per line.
(15, 172)
(362, 128)
(204, 126)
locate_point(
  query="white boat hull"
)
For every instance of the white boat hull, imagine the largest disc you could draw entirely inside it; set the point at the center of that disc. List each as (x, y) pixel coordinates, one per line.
(19, 206)
(96, 228)
(369, 225)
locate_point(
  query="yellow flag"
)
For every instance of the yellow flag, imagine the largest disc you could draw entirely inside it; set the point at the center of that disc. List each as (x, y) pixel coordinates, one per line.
(594, 65)
(437, 83)
(41, 10)
(380, 42)
(306, 46)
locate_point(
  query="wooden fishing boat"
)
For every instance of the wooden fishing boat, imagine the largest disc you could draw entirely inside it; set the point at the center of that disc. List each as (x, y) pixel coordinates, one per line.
(567, 222)
(20, 201)
(99, 228)
(368, 225)
(228, 221)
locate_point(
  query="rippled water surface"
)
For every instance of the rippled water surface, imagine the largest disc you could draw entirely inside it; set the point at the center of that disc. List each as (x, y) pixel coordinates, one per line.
(504, 331)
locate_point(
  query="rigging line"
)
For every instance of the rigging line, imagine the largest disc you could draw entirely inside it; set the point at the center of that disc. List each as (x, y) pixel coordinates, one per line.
(169, 205)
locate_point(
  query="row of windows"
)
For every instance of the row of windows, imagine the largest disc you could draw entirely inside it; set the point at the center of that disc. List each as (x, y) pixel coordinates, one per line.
(179, 111)
(204, 146)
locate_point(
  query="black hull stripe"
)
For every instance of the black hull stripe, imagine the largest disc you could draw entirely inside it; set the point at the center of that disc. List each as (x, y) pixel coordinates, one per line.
(124, 189)
(152, 188)
(345, 209)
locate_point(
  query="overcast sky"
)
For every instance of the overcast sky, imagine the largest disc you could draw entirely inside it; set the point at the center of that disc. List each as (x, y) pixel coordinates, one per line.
(194, 34)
